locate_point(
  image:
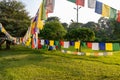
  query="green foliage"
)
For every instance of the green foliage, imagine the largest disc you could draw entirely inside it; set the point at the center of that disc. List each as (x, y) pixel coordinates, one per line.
(83, 34)
(14, 17)
(53, 19)
(65, 25)
(53, 30)
(74, 26)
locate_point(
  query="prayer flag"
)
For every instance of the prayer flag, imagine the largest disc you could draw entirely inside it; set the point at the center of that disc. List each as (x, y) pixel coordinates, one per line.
(43, 11)
(113, 13)
(78, 2)
(116, 46)
(105, 10)
(109, 46)
(98, 7)
(74, 1)
(77, 45)
(56, 43)
(50, 5)
(66, 44)
(51, 42)
(95, 46)
(102, 46)
(42, 42)
(91, 3)
(89, 44)
(118, 16)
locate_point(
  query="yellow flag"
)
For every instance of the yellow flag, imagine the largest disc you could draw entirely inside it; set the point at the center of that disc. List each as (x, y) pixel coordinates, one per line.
(109, 46)
(105, 10)
(3, 30)
(51, 42)
(77, 45)
(39, 21)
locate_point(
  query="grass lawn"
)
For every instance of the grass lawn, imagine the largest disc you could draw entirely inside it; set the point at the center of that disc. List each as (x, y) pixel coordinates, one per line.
(21, 63)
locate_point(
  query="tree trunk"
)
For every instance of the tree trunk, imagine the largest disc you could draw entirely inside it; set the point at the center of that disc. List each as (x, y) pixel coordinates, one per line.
(8, 44)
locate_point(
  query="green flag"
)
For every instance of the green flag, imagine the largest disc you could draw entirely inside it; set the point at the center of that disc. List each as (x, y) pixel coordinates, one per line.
(113, 13)
(74, 1)
(43, 12)
(116, 46)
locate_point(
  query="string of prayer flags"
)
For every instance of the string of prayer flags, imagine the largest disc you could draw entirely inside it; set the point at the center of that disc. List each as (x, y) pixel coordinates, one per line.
(91, 4)
(88, 53)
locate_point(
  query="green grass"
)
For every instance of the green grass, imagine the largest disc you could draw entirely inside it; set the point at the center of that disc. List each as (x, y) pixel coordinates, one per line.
(21, 63)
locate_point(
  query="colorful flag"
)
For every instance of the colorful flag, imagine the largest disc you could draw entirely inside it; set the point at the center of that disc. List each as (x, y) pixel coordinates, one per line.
(98, 7)
(50, 5)
(91, 3)
(113, 13)
(42, 42)
(66, 44)
(51, 43)
(95, 46)
(74, 1)
(89, 44)
(105, 10)
(116, 46)
(102, 46)
(109, 46)
(43, 11)
(118, 16)
(78, 2)
(39, 22)
(77, 45)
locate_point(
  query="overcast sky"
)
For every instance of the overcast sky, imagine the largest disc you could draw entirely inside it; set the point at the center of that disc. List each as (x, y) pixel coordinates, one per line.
(65, 10)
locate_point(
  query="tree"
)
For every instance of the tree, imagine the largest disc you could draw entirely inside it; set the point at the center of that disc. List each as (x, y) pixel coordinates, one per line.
(83, 34)
(14, 17)
(53, 30)
(106, 29)
(53, 19)
(74, 25)
(65, 25)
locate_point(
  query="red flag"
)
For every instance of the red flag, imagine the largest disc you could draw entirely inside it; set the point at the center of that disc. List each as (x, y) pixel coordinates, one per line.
(118, 16)
(50, 5)
(80, 2)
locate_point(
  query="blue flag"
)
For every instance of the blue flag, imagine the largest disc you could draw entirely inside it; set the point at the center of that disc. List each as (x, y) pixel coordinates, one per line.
(98, 7)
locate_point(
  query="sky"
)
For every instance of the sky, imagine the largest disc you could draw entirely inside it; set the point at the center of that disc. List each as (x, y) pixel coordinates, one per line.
(66, 12)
